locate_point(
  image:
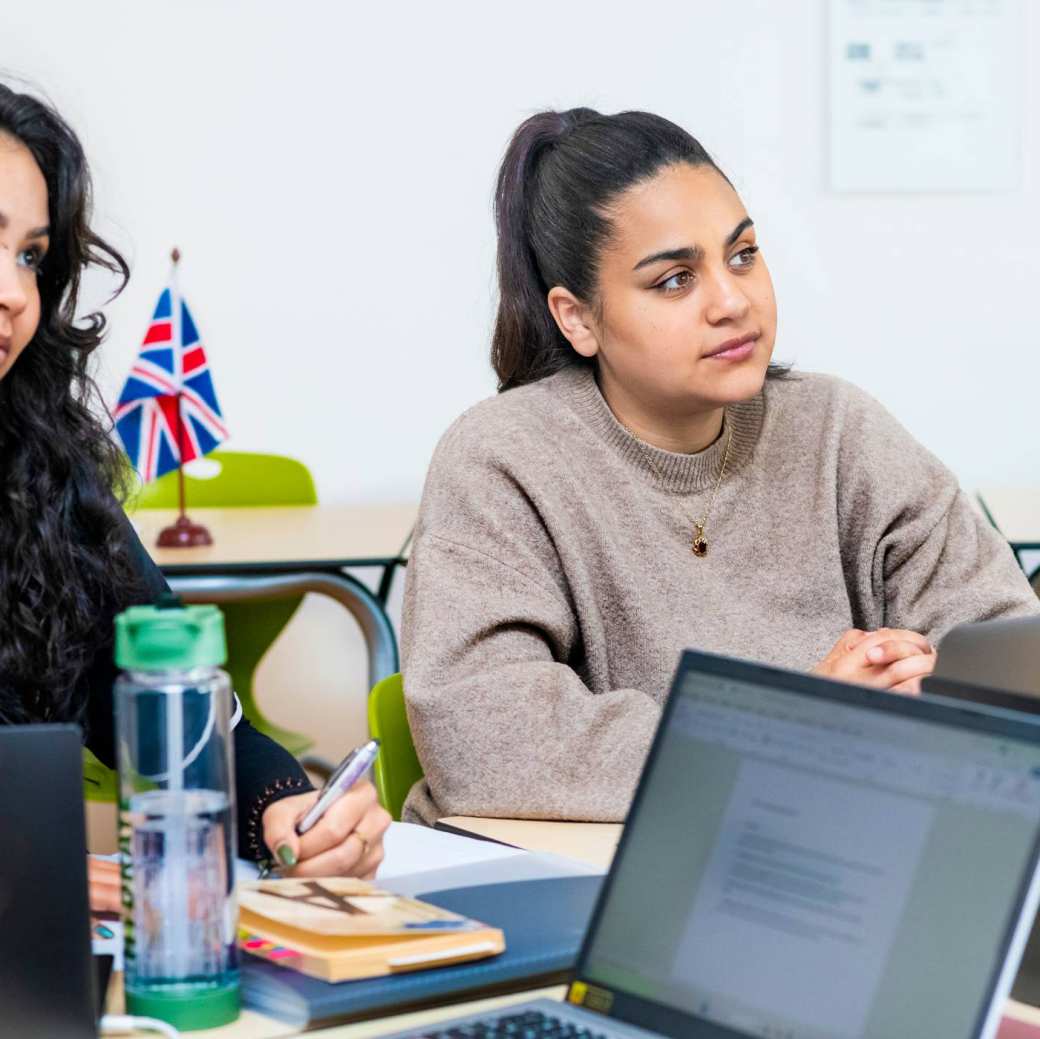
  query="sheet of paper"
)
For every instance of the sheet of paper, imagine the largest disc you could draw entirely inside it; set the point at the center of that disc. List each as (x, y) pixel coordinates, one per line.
(410, 849)
(926, 96)
(414, 849)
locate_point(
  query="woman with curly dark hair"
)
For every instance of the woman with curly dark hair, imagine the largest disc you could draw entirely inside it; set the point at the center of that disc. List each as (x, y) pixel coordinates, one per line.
(69, 560)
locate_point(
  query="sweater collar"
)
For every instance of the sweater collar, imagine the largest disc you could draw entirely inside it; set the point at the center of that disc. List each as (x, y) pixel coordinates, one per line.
(681, 473)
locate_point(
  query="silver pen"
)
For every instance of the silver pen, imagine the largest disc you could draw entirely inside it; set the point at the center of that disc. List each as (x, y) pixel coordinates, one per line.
(347, 773)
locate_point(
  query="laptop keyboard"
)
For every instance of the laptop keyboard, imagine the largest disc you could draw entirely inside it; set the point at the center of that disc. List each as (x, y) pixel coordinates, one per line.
(532, 1024)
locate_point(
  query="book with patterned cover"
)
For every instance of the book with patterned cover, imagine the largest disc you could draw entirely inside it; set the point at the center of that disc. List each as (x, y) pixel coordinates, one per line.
(339, 929)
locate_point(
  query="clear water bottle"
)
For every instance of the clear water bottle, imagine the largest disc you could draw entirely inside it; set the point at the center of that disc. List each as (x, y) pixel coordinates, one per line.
(176, 815)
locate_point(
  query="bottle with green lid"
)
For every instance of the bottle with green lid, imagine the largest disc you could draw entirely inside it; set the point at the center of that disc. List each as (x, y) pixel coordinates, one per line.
(176, 815)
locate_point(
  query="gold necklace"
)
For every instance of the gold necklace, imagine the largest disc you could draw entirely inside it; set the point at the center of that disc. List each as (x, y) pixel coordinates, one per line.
(699, 545)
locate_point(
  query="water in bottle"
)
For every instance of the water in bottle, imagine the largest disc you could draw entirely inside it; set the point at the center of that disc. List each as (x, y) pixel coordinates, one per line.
(177, 829)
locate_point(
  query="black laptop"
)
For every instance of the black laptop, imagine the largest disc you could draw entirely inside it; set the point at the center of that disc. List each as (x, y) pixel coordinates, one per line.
(808, 860)
(47, 982)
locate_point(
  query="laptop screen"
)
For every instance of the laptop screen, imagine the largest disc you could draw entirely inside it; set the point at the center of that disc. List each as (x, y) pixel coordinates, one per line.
(812, 868)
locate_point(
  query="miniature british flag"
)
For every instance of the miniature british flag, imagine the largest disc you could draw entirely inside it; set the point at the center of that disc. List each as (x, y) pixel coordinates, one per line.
(168, 412)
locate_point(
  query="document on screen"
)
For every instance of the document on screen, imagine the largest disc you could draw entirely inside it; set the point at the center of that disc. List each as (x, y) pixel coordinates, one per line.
(802, 896)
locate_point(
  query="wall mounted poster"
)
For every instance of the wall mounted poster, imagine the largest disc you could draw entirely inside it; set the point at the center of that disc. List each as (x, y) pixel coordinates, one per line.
(926, 95)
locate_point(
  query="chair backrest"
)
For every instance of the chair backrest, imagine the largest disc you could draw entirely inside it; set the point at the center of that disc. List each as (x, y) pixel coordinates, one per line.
(397, 768)
(243, 478)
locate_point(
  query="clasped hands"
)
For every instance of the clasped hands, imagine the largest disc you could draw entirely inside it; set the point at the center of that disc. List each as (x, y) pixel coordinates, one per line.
(889, 658)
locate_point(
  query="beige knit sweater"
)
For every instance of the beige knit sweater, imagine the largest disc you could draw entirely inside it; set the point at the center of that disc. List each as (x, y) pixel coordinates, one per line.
(552, 588)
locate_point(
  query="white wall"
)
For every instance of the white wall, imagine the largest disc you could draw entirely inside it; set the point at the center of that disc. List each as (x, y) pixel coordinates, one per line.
(327, 169)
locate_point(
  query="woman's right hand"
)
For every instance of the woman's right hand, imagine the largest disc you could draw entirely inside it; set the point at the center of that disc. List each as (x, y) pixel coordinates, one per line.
(889, 658)
(104, 883)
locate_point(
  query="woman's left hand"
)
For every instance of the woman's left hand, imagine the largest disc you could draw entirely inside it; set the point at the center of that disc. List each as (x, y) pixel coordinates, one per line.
(346, 842)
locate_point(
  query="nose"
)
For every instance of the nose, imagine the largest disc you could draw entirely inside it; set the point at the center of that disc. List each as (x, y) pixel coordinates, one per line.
(12, 284)
(727, 300)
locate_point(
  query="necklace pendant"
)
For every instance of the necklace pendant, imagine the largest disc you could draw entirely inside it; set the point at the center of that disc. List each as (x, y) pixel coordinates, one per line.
(700, 544)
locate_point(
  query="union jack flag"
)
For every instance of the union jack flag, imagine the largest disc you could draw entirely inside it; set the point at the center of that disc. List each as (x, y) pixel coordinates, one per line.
(168, 412)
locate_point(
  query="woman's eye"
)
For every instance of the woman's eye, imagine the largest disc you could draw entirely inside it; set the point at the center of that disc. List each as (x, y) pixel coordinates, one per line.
(31, 258)
(676, 283)
(745, 258)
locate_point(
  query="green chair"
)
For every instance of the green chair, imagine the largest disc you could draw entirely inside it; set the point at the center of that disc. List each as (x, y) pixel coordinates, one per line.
(397, 768)
(100, 783)
(245, 479)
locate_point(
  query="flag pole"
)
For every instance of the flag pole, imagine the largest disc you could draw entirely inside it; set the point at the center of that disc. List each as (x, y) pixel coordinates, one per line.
(180, 464)
(183, 533)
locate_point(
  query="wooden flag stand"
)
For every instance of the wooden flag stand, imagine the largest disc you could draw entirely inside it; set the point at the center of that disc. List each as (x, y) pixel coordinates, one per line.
(183, 533)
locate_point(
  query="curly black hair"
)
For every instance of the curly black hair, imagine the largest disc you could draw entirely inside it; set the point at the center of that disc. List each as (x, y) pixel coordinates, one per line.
(63, 561)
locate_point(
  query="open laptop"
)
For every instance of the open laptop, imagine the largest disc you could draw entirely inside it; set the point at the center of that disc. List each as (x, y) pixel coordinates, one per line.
(802, 860)
(48, 976)
(1001, 654)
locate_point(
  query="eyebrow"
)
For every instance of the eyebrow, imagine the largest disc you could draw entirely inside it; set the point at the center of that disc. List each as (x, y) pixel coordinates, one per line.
(36, 232)
(692, 253)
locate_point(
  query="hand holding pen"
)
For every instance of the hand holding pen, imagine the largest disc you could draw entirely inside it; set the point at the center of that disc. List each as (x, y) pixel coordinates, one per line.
(337, 831)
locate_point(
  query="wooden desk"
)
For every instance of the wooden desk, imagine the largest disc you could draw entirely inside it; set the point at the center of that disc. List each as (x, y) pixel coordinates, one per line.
(276, 552)
(283, 538)
(1015, 512)
(594, 843)
(257, 1026)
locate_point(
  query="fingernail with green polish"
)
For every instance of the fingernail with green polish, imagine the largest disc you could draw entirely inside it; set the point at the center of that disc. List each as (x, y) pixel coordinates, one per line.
(286, 856)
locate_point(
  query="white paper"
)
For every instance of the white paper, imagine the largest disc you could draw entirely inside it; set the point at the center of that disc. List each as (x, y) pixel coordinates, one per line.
(409, 848)
(925, 95)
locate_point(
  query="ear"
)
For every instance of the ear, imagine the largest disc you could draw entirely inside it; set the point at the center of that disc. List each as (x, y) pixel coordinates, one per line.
(574, 320)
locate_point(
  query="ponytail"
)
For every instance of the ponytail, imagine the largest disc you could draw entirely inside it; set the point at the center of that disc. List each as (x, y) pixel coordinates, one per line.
(526, 339)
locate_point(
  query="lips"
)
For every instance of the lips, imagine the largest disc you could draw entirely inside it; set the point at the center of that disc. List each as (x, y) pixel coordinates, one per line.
(734, 349)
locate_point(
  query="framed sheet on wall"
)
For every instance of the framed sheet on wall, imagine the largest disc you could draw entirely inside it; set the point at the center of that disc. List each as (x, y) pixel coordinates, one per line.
(926, 95)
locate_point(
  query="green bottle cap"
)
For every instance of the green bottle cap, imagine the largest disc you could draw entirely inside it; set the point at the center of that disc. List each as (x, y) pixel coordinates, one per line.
(164, 638)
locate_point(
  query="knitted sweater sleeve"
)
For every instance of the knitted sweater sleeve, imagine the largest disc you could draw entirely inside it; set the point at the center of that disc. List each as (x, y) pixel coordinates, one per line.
(503, 723)
(917, 552)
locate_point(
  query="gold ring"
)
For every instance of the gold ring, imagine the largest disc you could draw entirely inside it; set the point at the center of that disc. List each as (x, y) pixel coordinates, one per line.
(364, 842)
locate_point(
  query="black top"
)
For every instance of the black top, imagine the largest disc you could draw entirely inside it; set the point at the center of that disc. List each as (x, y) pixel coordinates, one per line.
(265, 771)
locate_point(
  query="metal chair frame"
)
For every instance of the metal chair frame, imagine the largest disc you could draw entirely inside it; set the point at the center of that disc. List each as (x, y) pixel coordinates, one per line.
(351, 594)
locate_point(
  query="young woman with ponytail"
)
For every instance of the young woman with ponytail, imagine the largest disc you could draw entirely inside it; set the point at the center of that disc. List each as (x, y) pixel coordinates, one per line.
(645, 481)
